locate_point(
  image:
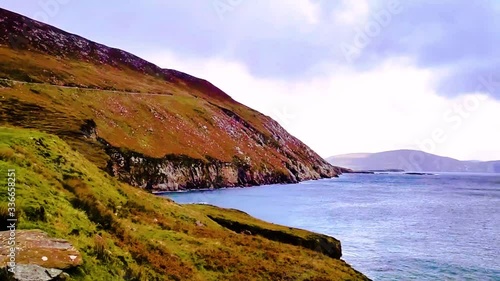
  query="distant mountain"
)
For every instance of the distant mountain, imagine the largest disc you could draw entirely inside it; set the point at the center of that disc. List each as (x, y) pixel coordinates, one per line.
(411, 160)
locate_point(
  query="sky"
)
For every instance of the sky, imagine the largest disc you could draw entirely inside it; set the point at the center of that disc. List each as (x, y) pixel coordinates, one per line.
(343, 76)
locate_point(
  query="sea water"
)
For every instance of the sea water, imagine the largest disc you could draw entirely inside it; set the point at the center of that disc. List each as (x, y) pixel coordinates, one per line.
(392, 226)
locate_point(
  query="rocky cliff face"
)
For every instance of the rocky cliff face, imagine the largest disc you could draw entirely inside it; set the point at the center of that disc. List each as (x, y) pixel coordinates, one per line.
(179, 172)
(174, 172)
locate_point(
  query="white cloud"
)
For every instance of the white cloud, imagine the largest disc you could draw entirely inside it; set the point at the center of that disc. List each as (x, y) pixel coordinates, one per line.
(309, 9)
(391, 107)
(352, 12)
(282, 13)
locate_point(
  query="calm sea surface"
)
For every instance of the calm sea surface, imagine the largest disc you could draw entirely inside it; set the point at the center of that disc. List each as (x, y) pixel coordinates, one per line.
(392, 227)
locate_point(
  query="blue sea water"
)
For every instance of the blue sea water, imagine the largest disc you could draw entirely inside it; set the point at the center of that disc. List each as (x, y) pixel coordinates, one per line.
(392, 226)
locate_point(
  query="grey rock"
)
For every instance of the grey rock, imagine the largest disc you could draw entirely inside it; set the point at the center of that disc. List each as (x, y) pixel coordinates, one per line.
(36, 247)
(33, 272)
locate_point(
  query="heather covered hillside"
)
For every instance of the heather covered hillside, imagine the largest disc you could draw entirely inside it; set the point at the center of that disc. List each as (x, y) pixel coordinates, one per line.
(148, 126)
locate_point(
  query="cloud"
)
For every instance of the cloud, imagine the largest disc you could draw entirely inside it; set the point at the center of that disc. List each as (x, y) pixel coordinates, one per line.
(291, 40)
(351, 12)
(418, 68)
(457, 39)
(390, 107)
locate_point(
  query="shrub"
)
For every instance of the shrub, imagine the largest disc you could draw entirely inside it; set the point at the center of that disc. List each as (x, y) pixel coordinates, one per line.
(5, 83)
(86, 201)
(4, 215)
(101, 249)
(35, 91)
(136, 273)
(35, 213)
(6, 153)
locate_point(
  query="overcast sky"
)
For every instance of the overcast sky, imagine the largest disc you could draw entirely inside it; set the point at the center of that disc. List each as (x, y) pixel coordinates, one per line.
(343, 76)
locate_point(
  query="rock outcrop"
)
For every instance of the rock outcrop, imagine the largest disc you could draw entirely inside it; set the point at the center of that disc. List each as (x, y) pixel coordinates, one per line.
(241, 222)
(31, 272)
(179, 172)
(37, 256)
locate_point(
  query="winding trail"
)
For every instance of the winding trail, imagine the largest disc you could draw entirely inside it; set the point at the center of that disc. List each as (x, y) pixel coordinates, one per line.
(84, 89)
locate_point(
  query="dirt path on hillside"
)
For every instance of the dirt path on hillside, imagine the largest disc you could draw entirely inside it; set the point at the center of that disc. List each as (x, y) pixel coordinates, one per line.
(83, 89)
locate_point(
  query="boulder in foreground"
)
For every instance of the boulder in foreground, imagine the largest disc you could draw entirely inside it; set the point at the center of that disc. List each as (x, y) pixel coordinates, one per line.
(38, 256)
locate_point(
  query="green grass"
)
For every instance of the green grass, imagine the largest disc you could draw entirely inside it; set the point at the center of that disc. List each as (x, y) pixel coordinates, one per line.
(125, 233)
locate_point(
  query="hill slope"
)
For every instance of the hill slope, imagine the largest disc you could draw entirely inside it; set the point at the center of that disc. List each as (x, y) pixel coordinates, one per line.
(124, 233)
(151, 127)
(411, 160)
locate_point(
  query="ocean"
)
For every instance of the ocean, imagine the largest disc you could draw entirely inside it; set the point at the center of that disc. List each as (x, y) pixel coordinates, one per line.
(392, 226)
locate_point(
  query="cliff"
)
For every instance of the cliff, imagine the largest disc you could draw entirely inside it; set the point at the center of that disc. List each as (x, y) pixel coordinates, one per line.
(151, 127)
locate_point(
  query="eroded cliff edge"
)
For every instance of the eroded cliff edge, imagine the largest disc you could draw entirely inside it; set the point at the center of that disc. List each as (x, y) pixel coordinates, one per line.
(179, 172)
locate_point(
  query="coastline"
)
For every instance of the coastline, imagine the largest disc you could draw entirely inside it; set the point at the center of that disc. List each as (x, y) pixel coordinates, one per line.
(162, 192)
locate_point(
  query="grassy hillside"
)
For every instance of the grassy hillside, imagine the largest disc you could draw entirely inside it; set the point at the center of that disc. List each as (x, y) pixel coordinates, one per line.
(145, 114)
(135, 104)
(124, 233)
(133, 110)
(132, 117)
